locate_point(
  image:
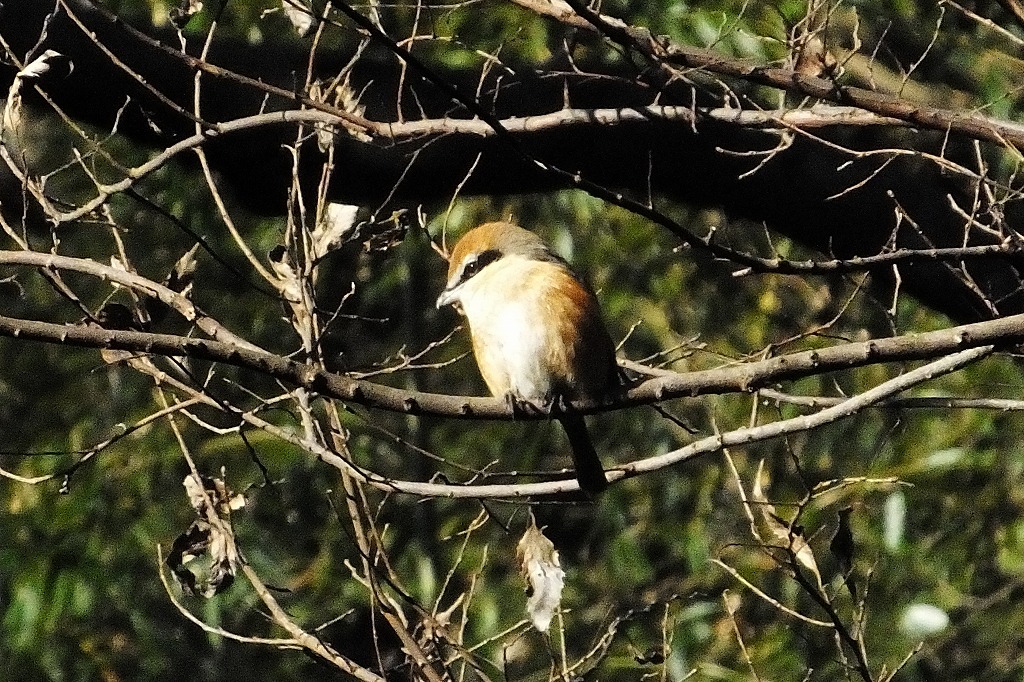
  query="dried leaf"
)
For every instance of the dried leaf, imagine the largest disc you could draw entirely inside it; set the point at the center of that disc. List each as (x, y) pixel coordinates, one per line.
(347, 99)
(44, 63)
(335, 226)
(50, 60)
(288, 279)
(300, 13)
(12, 112)
(813, 59)
(538, 562)
(180, 277)
(788, 535)
(211, 534)
(339, 94)
(291, 288)
(186, 9)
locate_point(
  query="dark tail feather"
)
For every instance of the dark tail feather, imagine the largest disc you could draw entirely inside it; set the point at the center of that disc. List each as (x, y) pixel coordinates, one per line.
(589, 471)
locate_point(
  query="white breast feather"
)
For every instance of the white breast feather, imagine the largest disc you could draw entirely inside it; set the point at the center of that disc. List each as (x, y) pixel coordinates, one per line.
(503, 308)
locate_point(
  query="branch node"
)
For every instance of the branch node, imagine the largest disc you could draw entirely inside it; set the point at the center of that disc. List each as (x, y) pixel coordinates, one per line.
(356, 393)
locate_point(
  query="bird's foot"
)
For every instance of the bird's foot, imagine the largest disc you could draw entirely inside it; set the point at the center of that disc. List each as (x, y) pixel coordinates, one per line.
(523, 407)
(557, 404)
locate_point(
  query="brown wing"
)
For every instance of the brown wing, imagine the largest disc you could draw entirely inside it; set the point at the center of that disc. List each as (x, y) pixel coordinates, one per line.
(588, 349)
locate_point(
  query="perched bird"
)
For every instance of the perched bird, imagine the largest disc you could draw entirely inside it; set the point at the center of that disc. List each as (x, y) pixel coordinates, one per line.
(538, 335)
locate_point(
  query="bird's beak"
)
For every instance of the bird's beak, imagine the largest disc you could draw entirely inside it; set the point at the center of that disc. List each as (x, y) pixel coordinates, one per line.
(447, 297)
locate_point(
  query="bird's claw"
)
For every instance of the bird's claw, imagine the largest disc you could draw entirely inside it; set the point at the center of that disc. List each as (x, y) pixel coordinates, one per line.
(524, 407)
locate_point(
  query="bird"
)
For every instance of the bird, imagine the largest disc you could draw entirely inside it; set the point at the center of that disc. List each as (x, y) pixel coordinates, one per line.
(537, 331)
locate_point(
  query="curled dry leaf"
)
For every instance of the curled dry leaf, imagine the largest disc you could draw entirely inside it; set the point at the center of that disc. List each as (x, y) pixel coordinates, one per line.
(181, 276)
(211, 534)
(50, 60)
(290, 286)
(288, 280)
(336, 225)
(812, 58)
(179, 280)
(300, 13)
(347, 99)
(787, 534)
(340, 94)
(185, 10)
(538, 562)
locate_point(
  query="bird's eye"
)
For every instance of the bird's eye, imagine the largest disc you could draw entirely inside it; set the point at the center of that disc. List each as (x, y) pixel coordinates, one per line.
(476, 263)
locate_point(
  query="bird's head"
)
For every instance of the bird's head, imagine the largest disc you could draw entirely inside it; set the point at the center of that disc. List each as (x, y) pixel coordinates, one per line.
(483, 246)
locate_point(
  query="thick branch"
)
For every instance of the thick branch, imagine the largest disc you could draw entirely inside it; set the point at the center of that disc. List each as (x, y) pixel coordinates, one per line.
(842, 202)
(695, 450)
(1002, 332)
(662, 50)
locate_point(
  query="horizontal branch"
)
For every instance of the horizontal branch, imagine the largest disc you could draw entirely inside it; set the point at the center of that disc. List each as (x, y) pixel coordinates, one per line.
(975, 126)
(662, 50)
(812, 117)
(902, 403)
(818, 116)
(845, 408)
(743, 377)
(815, 116)
(659, 49)
(213, 131)
(130, 280)
(704, 446)
(1006, 249)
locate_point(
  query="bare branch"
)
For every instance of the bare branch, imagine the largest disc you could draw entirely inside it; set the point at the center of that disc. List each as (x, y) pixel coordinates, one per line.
(741, 377)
